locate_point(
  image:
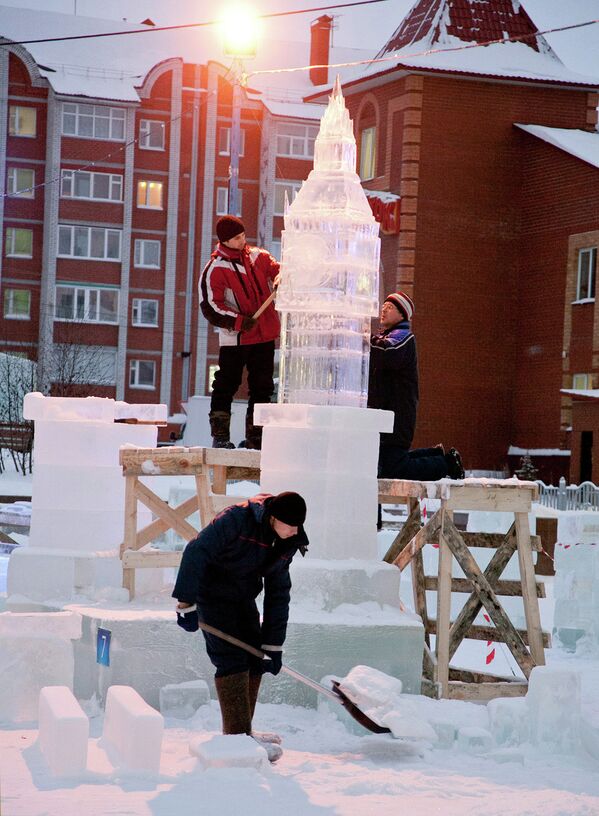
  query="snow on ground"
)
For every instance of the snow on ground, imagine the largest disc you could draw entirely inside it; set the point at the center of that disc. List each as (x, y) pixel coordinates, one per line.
(326, 768)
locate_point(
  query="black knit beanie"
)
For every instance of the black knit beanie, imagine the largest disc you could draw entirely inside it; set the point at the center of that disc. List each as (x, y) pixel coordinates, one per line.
(228, 227)
(289, 508)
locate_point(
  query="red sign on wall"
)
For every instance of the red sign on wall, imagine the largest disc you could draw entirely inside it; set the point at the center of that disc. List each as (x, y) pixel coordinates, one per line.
(387, 213)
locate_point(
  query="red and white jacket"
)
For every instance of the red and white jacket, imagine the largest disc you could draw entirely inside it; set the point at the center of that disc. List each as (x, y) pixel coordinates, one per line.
(233, 285)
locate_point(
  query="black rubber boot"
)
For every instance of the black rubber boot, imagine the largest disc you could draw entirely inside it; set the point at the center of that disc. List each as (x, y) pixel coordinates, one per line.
(455, 469)
(220, 424)
(234, 700)
(253, 436)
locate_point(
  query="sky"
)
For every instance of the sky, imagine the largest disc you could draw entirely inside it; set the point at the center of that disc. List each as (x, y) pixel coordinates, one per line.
(368, 26)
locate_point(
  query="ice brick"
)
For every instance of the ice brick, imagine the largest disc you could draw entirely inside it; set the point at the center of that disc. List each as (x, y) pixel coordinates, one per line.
(27, 664)
(67, 409)
(474, 740)
(230, 751)
(508, 720)
(331, 583)
(63, 731)
(183, 699)
(553, 702)
(133, 728)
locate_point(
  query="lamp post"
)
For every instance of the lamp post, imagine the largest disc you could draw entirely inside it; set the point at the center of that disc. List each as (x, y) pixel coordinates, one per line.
(239, 28)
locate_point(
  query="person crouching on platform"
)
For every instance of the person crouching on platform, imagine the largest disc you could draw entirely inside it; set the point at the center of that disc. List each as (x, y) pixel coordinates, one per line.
(393, 386)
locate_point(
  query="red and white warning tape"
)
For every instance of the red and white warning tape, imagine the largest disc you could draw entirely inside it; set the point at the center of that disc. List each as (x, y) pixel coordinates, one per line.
(490, 644)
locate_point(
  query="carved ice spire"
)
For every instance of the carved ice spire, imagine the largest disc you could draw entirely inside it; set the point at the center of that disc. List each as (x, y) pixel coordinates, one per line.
(335, 147)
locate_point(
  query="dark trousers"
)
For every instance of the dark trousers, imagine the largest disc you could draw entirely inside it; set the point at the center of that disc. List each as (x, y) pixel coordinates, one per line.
(243, 622)
(420, 464)
(259, 359)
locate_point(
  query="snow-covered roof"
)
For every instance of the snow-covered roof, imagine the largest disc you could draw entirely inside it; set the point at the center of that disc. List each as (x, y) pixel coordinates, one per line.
(581, 393)
(115, 67)
(583, 144)
(448, 36)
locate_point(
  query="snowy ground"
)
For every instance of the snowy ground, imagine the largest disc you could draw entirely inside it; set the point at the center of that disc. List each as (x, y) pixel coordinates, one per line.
(325, 768)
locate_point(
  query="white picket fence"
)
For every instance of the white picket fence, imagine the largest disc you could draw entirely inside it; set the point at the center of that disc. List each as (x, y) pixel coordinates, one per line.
(569, 497)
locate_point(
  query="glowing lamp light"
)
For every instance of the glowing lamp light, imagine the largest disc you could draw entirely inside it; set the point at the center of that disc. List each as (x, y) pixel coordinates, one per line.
(239, 28)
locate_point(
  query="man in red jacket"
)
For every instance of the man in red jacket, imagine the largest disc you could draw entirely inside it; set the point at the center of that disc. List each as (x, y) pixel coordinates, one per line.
(234, 284)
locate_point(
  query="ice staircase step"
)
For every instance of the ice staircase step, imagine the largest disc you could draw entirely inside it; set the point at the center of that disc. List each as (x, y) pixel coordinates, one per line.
(133, 728)
(228, 751)
(63, 731)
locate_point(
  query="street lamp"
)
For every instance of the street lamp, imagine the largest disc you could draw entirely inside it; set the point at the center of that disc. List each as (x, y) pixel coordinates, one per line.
(239, 28)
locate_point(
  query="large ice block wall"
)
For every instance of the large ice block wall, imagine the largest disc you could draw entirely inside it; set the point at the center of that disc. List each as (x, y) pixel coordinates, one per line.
(330, 274)
(78, 486)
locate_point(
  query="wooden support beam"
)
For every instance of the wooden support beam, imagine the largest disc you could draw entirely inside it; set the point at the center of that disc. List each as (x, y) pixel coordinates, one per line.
(161, 461)
(162, 510)
(146, 559)
(425, 535)
(506, 630)
(527, 574)
(480, 632)
(160, 525)
(443, 603)
(473, 605)
(407, 533)
(509, 588)
(494, 540)
(130, 525)
(484, 692)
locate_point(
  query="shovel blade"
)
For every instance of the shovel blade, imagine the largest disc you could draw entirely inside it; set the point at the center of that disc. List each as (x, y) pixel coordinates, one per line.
(357, 713)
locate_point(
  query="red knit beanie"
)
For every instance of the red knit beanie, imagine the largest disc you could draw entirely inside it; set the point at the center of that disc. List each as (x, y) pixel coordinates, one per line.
(403, 303)
(228, 227)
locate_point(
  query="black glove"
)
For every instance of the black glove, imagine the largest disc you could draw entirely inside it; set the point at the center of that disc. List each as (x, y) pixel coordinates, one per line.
(248, 323)
(188, 618)
(274, 662)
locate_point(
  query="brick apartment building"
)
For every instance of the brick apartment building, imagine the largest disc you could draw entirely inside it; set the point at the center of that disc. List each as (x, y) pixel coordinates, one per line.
(115, 166)
(480, 163)
(494, 155)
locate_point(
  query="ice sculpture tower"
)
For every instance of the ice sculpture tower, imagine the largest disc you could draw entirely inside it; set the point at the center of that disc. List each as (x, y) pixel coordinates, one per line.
(330, 274)
(320, 439)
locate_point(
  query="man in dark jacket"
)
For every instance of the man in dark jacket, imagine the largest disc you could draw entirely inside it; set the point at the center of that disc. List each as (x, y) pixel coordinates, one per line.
(248, 547)
(234, 284)
(393, 386)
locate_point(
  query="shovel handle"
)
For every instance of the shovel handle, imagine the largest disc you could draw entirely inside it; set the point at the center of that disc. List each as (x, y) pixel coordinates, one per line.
(265, 305)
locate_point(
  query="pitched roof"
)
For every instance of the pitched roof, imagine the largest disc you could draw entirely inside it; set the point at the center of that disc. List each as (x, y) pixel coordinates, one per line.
(431, 22)
(583, 144)
(450, 36)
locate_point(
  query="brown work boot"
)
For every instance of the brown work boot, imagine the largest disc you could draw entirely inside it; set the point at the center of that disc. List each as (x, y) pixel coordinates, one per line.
(234, 700)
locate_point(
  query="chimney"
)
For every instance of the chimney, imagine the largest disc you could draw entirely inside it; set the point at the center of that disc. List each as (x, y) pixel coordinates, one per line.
(320, 42)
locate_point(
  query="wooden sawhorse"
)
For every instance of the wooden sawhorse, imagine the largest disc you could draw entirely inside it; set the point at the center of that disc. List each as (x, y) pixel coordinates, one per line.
(440, 678)
(211, 468)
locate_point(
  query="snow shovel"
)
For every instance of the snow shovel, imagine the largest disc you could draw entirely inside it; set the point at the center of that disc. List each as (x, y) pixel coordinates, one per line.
(336, 694)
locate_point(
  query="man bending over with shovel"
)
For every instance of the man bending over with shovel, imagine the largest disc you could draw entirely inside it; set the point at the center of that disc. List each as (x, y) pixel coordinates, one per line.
(248, 547)
(236, 282)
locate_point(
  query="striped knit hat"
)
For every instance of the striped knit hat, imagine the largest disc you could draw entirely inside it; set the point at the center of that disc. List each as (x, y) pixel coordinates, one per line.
(402, 302)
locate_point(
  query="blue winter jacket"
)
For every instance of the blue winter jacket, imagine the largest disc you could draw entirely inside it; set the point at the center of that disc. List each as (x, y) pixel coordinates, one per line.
(235, 557)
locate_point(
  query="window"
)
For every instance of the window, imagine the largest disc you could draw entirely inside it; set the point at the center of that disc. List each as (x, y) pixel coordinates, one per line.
(88, 304)
(587, 267)
(282, 187)
(275, 249)
(224, 141)
(21, 182)
(22, 121)
(149, 194)
(73, 363)
(146, 254)
(145, 312)
(19, 242)
(142, 373)
(99, 186)
(17, 304)
(582, 382)
(89, 242)
(222, 201)
(368, 153)
(296, 141)
(93, 121)
(151, 134)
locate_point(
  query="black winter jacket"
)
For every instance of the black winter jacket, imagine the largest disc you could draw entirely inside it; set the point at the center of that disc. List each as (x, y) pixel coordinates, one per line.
(235, 557)
(393, 381)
